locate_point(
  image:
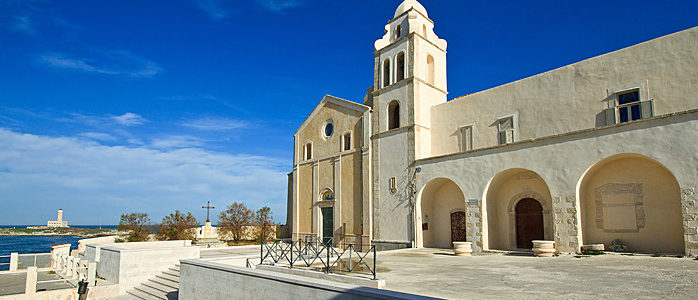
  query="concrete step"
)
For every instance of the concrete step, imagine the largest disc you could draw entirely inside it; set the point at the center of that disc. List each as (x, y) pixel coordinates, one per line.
(160, 287)
(172, 273)
(174, 278)
(165, 282)
(141, 295)
(155, 293)
(175, 269)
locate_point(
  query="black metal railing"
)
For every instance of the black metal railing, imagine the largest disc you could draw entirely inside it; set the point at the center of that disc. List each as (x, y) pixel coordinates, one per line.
(316, 254)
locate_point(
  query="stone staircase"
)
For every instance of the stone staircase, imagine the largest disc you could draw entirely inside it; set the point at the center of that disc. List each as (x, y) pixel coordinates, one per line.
(164, 286)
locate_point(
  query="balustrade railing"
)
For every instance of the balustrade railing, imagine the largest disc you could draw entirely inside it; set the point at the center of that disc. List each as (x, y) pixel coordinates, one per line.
(316, 254)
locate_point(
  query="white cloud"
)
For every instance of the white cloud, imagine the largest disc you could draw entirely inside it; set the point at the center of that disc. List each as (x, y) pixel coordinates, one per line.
(100, 136)
(220, 9)
(215, 124)
(95, 183)
(110, 62)
(177, 141)
(214, 8)
(129, 119)
(23, 24)
(279, 5)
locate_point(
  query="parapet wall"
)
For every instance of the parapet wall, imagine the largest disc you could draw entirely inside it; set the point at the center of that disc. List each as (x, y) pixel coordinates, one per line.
(201, 279)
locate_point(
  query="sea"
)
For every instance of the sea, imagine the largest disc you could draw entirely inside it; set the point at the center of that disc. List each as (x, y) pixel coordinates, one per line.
(36, 244)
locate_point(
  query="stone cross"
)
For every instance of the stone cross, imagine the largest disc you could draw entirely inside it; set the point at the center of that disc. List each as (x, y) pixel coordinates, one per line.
(208, 207)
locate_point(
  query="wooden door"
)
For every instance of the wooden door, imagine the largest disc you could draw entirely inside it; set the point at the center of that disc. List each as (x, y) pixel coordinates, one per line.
(458, 226)
(327, 224)
(529, 223)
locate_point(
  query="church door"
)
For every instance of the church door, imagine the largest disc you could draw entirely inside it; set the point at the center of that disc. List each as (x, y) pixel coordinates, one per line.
(529, 223)
(458, 226)
(327, 224)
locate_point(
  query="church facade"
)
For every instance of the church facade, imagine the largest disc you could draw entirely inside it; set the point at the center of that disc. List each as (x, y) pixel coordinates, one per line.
(596, 151)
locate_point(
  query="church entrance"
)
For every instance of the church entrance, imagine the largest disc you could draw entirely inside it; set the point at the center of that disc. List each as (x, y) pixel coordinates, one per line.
(529, 223)
(327, 224)
(458, 226)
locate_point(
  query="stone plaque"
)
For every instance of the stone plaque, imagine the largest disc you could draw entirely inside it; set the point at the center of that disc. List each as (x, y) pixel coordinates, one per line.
(473, 202)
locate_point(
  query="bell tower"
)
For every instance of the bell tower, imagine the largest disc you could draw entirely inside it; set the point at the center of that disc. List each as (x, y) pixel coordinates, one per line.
(409, 78)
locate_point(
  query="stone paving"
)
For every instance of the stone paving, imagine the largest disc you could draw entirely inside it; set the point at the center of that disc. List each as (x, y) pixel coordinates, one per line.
(437, 273)
(13, 283)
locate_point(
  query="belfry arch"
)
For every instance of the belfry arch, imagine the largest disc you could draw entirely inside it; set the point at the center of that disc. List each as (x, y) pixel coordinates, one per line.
(441, 214)
(518, 209)
(632, 198)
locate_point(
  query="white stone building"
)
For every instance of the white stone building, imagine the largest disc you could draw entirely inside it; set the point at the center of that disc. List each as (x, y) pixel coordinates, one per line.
(59, 220)
(588, 153)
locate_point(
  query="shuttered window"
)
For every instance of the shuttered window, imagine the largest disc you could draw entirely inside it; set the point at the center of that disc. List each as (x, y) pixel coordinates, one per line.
(628, 107)
(466, 137)
(505, 130)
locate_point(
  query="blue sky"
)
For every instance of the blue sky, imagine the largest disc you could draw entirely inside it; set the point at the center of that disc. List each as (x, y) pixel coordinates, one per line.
(109, 107)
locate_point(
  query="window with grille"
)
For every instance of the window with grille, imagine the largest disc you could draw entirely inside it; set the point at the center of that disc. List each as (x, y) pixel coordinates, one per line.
(505, 130)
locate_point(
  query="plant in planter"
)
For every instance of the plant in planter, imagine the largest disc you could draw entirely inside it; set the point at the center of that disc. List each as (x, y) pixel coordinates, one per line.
(618, 246)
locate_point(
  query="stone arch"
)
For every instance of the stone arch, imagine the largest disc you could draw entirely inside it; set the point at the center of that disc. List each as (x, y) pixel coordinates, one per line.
(437, 200)
(633, 198)
(386, 72)
(503, 192)
(393, 114)
(400, 66)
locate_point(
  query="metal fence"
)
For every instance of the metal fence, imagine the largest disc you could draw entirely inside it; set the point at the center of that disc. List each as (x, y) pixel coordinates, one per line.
(39, 260)
(4, 262)
(316, 254)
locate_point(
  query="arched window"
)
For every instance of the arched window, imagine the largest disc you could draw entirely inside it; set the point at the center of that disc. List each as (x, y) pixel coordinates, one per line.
(398, 31)
(424, 31)
(400, 66)
(430, 69)
(327, 195)
(308, 151)
(386, 73)
(393, 115)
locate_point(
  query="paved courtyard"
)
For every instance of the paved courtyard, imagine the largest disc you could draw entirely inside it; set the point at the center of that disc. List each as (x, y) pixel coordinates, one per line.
(437, 273)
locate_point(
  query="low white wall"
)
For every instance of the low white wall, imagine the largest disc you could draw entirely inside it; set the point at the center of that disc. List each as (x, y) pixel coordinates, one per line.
(201, 279)
(96, 293)
(98, 240)
(130, 264)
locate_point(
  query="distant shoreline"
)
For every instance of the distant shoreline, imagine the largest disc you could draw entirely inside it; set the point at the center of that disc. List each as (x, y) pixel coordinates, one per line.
(76, 232)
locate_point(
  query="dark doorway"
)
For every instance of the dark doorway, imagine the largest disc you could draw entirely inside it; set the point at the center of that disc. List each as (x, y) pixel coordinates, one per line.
(327, 224)
(529, 223)
(458, 226)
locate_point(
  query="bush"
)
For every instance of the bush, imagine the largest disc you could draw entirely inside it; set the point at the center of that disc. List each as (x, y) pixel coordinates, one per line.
(233, 220)
(136, 223)
(264, 223)
(177, 226)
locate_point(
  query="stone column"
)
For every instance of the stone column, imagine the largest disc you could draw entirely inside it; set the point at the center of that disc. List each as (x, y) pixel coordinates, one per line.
(473, 223)
(30, 285)
(689, 210)
(565, 223)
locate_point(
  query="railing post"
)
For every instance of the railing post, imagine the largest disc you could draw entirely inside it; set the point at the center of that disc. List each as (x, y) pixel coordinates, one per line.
(261, 252)
(374, 263)
(30, 284)
(92, 273)
(14, 261)
(292, 246)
